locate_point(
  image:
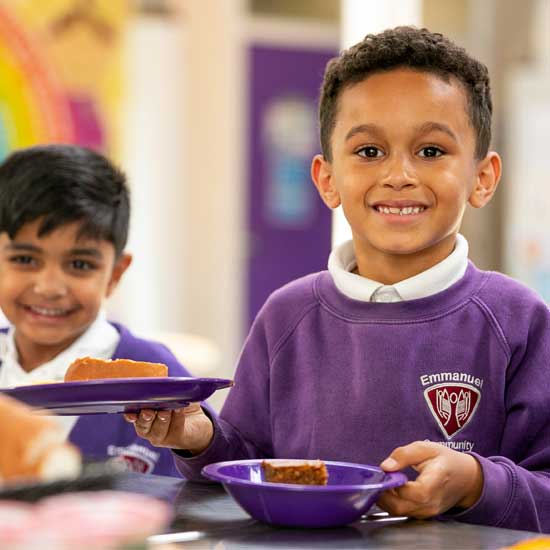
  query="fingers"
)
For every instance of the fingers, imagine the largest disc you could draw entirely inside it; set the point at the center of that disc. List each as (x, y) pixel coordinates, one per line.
(159, 427)
(144, 421)
(395, 505)
(419, 492)
(154, 426)
(165, 428)
(446, 479)
(391, 503)
(145, 418)
(417, 498)
(185, 428)
(413, 454)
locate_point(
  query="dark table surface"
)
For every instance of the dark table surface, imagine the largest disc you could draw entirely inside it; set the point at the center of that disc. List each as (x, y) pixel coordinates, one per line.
(205, 516)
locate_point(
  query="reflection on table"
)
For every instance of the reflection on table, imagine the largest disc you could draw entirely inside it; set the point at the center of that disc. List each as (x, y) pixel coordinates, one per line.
(205, 516)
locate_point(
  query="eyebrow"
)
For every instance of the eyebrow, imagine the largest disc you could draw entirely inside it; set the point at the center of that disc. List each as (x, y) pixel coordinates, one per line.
(425, 128)
(362, 129)
(93, 252)
(25, 247)
(428, 127)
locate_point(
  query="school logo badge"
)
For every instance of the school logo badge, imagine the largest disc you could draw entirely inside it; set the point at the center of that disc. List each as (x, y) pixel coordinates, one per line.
(135, 463)
(136, 458)
(453, 405)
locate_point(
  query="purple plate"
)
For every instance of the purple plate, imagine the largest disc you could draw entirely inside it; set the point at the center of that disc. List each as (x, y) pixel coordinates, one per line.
(351, 491)
(117, 395)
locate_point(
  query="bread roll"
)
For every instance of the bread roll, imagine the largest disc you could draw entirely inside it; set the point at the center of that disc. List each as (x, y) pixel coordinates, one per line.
(88, 368)
(33, 446)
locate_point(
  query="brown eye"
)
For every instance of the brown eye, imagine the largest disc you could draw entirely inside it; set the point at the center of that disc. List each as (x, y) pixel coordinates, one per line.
(369, 152)
(22, 260)
(430, 152)
(82, 265)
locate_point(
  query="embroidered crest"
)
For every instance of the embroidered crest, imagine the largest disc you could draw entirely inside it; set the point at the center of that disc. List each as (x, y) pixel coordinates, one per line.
(452, 405)
(135, 463)
(136, 458)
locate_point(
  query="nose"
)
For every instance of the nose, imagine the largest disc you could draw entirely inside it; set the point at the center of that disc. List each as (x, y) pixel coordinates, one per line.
(400, 173)
(50, 283)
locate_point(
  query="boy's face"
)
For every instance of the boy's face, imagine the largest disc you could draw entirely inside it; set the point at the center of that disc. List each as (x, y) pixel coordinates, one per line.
(52, 287)
(403, 165)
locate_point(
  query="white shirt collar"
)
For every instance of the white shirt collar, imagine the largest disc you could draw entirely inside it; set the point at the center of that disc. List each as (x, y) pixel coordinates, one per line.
(100, 340)
(439, 277)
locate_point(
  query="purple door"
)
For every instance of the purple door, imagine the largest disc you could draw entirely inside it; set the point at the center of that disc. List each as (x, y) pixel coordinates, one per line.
(289, 226)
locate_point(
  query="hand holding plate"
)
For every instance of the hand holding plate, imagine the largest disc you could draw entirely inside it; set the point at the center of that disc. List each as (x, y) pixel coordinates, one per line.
(188, 428)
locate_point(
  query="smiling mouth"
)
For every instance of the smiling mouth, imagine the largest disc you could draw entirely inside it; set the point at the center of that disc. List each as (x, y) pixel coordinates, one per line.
(48, 311)
(405, 211)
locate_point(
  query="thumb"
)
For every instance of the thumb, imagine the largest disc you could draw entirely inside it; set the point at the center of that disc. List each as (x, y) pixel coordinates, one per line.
(390, 464)
(412, 454)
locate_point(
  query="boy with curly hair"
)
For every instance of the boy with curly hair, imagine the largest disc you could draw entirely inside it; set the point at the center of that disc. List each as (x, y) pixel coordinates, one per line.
(403, 353)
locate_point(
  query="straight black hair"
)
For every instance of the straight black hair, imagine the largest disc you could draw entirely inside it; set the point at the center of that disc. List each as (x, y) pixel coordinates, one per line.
(62, 184)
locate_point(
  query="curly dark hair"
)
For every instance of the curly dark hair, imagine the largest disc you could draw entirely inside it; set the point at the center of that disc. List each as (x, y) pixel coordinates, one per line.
(417, 49)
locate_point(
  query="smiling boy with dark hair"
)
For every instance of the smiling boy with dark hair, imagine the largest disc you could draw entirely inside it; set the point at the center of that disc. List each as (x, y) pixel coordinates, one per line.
(64, 215)
(403, 353)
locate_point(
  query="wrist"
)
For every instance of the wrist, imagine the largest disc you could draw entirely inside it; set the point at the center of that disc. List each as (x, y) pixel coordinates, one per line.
(475, 487)
(202, 436)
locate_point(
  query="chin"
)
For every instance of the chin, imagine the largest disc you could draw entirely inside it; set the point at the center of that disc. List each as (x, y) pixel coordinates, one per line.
(400, 248)
(48, 338)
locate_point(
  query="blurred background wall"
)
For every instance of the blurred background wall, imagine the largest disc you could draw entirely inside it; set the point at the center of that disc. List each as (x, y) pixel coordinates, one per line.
(210, 107)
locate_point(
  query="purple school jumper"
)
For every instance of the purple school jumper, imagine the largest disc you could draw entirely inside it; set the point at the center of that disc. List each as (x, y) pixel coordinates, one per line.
(103, 436)
(324, 376)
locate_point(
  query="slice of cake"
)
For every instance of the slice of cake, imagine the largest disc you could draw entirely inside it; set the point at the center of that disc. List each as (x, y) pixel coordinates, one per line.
(303, 472)
(90, 368)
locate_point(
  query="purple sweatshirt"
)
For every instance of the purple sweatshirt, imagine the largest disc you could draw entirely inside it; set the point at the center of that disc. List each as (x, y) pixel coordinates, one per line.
(324, 376)
(105, 436)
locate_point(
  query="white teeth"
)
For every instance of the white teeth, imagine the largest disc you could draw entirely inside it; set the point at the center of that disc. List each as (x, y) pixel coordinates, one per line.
(48, 311)
(407, 211)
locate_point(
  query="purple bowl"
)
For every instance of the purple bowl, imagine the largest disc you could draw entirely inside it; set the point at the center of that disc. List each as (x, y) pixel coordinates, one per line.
(351, 491)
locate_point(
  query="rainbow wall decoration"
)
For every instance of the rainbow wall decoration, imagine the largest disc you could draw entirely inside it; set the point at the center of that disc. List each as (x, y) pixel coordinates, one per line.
(33, 106)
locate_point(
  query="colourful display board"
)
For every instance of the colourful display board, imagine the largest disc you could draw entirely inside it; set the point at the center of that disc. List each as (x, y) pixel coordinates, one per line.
(33, 107)
(61, 77)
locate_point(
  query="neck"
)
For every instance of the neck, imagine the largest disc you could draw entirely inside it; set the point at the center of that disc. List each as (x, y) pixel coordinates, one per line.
(389, 269)
(32, 356)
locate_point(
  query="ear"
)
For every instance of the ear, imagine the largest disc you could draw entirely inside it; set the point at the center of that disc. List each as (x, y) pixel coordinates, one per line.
(121, 265)
(487, 178)
(321, 174)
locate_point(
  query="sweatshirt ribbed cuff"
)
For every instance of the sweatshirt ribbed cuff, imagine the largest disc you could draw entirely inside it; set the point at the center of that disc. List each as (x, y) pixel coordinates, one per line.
(496, 496)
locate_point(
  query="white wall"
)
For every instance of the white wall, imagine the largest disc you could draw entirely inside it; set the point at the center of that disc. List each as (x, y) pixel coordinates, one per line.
(183, 157)
(216, 189)
(151, 296)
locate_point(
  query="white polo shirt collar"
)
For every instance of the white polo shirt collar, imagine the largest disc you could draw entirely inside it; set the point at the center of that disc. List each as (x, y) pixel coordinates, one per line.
(342, 262)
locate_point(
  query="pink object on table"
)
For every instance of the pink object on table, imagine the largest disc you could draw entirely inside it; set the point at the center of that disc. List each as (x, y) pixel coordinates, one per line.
(99, 519)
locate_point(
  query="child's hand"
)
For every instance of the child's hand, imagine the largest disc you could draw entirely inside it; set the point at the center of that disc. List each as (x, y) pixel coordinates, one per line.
(188, 428)
(446, 479)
